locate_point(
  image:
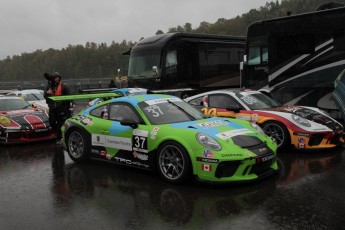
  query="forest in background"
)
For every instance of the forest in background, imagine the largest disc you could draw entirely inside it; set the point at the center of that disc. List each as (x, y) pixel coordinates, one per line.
(103, 60)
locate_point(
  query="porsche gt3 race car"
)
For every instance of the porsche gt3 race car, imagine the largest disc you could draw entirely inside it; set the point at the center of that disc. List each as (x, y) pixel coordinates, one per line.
(21, 123)
(298, 126)
(164, 133)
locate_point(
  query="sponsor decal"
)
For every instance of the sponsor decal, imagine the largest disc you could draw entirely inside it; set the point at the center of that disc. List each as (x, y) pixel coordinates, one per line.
(40, 130)
(255, 117)
(320, 129)
(153, 135)
(206, 167)
(264, 149)
(233, 133)
(95, 151)
(112, 142)
(84, 120)
(243, 117)
(301, 140)
(264, 158)
(103, 153)
(211, 124)
(207, 153)
(302, 134)
(208, 160)
(161, 100)
(301, 145)
(232, 155)
(129, 162)
(140, 156)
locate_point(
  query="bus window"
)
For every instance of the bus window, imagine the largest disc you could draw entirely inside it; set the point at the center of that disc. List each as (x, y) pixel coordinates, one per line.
(258, 55)
(171, 62)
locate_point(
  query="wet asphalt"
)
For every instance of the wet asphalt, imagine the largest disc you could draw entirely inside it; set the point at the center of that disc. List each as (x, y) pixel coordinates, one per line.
(42, 188)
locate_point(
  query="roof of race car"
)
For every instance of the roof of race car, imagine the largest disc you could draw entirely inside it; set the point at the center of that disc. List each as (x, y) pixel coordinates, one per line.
(228, 91)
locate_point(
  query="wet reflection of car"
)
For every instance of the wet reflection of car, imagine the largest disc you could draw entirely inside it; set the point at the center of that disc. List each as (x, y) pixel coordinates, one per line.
(144, 200)
(298, 167)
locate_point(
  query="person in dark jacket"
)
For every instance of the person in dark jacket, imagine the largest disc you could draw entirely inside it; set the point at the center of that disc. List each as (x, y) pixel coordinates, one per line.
(59, 112)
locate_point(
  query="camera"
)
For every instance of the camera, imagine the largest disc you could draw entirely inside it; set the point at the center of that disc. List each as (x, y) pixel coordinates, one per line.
(50, 79)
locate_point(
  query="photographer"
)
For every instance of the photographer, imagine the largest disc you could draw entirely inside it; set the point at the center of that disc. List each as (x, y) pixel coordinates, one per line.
(58, 111)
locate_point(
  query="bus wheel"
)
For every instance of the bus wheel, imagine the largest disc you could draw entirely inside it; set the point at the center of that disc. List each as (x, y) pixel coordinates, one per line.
(277, 132)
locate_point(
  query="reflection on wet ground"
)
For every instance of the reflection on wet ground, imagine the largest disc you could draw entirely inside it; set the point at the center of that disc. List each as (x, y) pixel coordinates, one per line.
(42, 188)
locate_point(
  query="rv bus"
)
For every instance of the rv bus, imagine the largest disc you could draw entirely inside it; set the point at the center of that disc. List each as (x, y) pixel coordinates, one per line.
(296, 59)
(186, 63)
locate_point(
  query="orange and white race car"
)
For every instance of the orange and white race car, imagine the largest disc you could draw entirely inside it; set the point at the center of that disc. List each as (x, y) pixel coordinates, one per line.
(301, 127)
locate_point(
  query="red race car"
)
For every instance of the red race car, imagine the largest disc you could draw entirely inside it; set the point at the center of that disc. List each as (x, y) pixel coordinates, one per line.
(20, 122)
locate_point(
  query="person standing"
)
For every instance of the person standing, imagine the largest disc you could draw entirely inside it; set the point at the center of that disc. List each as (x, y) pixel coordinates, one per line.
(59, 112)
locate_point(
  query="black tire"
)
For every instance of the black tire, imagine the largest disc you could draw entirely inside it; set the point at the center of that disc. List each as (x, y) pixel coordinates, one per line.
(277, 132)
(78, 145)
(173, 162)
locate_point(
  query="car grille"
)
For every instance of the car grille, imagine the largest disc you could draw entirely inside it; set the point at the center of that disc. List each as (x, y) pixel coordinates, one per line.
(315, 139)
(261, 168)
(29, 134)
(336, 139)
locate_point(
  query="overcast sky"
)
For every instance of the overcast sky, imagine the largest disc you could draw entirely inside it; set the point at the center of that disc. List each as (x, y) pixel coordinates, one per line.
(30, 25)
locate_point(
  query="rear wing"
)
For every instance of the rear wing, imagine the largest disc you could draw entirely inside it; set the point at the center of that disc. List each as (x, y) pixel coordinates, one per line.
(84, 96)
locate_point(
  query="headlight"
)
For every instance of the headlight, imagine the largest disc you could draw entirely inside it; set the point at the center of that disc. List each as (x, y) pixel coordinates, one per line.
(258, 128)
(208, 142)
(300, 120)
(5, 121)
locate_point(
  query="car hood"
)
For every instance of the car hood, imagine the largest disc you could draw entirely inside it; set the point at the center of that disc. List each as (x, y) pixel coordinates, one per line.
(24, 119)
(308, 113)
(225, 129)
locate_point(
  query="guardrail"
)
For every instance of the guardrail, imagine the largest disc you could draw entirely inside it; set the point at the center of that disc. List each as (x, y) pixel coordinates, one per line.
(75, 85)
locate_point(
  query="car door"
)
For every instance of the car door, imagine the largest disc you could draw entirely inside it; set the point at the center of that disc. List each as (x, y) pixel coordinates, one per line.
(220, 105)
(125, 144)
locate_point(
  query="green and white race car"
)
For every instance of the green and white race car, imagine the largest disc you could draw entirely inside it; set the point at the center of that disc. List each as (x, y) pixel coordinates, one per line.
(164, 133)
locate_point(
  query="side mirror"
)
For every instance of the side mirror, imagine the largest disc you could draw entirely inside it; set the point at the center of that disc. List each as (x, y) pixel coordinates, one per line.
(155, 71)
(129, 122)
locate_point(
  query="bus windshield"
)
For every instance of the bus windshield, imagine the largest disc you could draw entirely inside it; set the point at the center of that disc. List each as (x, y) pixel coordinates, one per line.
(141, 63)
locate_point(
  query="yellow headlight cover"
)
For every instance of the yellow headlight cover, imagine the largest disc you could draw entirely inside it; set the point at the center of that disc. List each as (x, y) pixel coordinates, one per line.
(4, 120)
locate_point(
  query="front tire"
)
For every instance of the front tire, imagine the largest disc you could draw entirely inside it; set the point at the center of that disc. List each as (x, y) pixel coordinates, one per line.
(277, 132)
(78, 146)
(173, 162)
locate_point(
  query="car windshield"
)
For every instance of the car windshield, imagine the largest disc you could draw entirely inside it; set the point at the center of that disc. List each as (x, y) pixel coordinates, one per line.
(169, 110)
(255, 100)
(7, 104)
